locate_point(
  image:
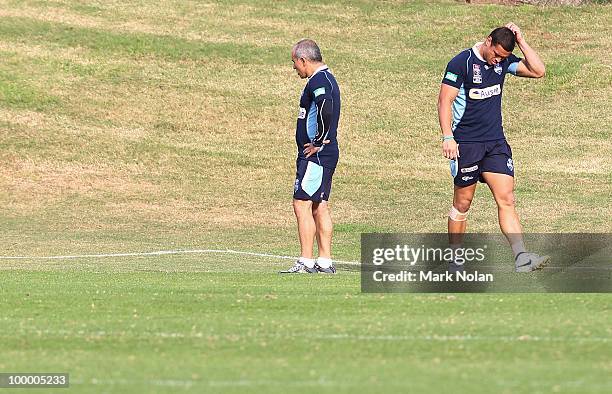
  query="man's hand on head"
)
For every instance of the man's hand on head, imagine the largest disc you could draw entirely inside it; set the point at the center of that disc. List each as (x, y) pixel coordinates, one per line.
(516, 30)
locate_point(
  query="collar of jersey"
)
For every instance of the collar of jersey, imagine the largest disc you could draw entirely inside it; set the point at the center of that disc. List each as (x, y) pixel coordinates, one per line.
(476, 50)
(321, 68)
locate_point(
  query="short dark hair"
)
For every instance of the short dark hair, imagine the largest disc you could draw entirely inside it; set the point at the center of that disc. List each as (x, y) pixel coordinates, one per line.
(504, 37)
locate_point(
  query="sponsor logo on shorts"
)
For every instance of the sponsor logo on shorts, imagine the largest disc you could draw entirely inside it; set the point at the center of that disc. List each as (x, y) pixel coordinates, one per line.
(481, 94)
(451, 77)
(477, 78)
(467, 178)
(510, 164)
(296, 185)
(497, 69)
(302, 113)
(469, 169)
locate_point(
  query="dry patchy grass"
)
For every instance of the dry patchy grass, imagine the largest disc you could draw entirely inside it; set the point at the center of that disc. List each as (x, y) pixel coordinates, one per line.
(206, 143)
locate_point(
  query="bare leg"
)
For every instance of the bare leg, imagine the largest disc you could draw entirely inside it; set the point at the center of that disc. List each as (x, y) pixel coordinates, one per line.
(322, 217)
(502, 187)
(462, 199)
(306, 226)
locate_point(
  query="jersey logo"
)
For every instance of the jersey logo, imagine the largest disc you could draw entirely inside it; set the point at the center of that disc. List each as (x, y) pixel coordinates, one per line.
(302, 113)
(497, 69)
(319, 92)
(481, 94)
(450, 76)
(477, 78)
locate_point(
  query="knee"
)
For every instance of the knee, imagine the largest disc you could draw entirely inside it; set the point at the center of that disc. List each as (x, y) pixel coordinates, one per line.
(462, 204)
(320, 209)
(506, 200)
(300, 206)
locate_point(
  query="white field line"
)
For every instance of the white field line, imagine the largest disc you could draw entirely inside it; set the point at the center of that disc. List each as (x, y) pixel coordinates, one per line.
(228, 251)
(161, 253)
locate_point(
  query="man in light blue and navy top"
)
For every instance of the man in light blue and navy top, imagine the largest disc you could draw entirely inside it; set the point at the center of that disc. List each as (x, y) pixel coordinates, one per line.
(317, 157)
(469, 110)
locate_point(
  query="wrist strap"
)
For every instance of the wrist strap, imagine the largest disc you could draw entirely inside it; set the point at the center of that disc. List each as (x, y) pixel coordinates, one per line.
(448, 137)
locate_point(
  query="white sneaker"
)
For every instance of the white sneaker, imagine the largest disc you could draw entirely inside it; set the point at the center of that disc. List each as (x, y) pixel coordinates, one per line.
(299, 268)
(527, 262)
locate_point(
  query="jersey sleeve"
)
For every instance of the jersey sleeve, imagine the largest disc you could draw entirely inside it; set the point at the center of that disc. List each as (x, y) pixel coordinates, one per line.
(454, 75)
(513, 62)
(321, 95)
(319, 91)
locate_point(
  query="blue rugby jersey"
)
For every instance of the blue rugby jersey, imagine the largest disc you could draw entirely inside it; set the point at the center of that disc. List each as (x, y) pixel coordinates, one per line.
(318, 118)
(477, 109)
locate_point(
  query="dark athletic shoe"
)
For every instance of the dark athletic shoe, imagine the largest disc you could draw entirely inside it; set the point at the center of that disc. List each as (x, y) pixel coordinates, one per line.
(330, 270)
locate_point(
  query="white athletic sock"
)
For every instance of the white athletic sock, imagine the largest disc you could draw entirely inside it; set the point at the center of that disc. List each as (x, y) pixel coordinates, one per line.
(324, 262)
(307, 262)
(518, 247)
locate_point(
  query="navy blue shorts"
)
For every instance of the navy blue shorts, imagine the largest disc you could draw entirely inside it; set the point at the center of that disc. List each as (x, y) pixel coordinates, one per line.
(478, 157)
(312, 181)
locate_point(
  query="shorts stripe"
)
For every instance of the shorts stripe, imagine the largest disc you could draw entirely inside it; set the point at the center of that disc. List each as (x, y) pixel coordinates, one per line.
(312, 181)
(312, 178)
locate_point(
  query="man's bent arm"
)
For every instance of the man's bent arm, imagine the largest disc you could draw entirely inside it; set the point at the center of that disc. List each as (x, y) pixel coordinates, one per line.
(325, 111)
(531, 66)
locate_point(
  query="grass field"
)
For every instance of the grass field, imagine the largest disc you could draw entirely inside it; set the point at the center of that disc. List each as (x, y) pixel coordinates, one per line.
(138, 126)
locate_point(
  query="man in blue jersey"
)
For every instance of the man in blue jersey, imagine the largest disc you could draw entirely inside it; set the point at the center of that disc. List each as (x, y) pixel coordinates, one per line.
(469, 110)
(317, 157)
